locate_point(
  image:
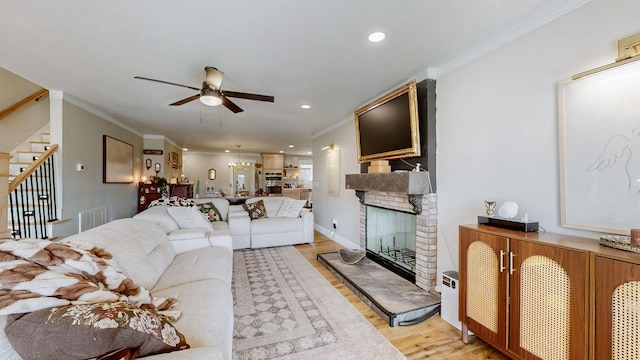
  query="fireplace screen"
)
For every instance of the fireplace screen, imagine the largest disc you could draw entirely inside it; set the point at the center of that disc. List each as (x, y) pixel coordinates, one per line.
(391, 235)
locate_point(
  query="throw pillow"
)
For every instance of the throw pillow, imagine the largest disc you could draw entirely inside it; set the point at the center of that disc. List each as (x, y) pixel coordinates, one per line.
(172, 201)
(290, 208)
(92, 330)
(189, 217)
(256, 210)
(211, 211)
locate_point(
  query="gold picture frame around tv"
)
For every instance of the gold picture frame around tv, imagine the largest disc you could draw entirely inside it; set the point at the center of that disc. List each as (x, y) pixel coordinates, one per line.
(388, 127)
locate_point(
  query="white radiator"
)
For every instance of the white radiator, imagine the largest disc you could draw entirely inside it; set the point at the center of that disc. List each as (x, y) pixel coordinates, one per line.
(91, 218)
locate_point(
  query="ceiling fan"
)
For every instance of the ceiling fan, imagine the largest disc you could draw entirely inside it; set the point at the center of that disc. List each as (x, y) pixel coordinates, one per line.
(211, 94)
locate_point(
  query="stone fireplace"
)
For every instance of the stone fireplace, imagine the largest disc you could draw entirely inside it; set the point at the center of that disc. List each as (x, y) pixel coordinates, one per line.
(405, 193)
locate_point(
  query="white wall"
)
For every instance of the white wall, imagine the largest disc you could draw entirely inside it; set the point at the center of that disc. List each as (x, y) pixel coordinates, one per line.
(82, 143)
(345, 208)
(21, 124)
(497, 123)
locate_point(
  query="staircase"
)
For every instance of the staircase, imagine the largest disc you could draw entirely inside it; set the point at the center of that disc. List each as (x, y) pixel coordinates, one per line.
(32, 210)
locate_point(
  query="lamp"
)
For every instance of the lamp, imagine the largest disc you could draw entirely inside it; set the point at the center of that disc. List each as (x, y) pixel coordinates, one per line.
(628, 51)
(210, 97)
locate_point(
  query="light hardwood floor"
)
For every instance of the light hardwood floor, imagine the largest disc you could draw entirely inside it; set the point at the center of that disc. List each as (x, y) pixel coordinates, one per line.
(431, 339)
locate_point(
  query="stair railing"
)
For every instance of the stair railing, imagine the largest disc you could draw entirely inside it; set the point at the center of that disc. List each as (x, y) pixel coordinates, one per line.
(35, 96)
(32, 198)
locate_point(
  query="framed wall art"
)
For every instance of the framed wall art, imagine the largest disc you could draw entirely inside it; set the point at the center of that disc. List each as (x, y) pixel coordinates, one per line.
(117, 161)
(599, 138)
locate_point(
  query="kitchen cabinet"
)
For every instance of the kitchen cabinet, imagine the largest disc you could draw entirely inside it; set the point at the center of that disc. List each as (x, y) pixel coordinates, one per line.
(527, 294)
(273, 161)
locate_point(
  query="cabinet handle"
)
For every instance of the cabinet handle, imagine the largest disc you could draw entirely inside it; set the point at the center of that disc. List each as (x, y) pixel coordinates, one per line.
(511, 268)
(502, 267)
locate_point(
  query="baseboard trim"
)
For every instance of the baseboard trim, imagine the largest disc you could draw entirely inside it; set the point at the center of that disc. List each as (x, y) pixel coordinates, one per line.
(335, 237)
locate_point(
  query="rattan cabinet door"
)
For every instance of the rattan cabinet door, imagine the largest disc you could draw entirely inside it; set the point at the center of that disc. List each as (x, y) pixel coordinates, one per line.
(483, 281)
(549, 298)
(617, 309)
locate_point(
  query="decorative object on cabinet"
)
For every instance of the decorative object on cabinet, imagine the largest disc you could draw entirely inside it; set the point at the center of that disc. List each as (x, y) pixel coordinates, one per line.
(491, 207)
(508, 210)
(212, 174)
(148, 163)
(117, 161)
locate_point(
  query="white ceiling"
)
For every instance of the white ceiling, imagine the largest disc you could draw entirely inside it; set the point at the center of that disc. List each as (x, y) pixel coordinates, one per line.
(301, 52)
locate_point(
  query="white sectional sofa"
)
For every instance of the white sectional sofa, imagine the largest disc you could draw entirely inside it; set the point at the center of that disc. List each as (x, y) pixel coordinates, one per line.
(245, 233)
(199, 278)
(277, 230)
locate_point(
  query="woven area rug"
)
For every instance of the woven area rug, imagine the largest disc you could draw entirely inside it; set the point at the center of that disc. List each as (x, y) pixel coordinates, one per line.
(285, 309)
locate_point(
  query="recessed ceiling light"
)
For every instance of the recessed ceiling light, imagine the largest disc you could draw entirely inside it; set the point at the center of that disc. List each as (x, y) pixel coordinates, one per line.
(310, 152)
(376, 36)
(290, 146)
(305, 106)
(227, 151)
(281, 151)
(185, 149)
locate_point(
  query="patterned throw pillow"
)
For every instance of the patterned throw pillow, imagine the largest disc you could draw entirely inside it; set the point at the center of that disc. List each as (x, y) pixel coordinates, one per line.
(290, 208)
(211, 211)
(91, 330)
(172, 201)
(256, 210)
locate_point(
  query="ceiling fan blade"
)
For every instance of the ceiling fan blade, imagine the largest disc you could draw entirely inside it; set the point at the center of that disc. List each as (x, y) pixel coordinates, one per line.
(242, 95)
(230, 105)
(166, 82)
(184, 101)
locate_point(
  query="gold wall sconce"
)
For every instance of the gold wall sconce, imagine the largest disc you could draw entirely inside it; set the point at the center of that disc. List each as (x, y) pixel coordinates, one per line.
(628, 51)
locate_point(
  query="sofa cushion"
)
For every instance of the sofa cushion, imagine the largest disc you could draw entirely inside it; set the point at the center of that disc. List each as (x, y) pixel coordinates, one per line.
(91, 330)
(193, 233)
(290, 208)
(215, 262)
(256, 210)
(160, 216)
(209, 321)
(139, 247)
(211, 211)
(276, 225)
(189, 217)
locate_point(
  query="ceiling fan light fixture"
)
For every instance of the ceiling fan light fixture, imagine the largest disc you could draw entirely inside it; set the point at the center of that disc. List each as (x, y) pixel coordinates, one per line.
(210, 97)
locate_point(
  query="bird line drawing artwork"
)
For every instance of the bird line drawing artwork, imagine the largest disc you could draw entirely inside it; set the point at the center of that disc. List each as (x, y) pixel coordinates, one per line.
(619, 152)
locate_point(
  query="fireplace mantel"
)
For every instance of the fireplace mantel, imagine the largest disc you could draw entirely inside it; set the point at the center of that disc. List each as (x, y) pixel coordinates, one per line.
(406, 182)
(413, 184)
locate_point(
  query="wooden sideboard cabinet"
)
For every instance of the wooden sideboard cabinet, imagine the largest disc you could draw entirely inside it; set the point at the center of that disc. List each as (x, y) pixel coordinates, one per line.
(527, 294)
(146, 194)
(616, 300)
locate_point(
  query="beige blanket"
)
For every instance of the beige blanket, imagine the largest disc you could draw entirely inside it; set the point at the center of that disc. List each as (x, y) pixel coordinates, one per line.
(37, 274)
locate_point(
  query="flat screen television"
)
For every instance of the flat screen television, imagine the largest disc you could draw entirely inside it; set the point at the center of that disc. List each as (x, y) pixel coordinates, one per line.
(387, 128)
